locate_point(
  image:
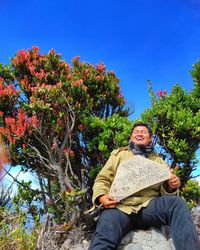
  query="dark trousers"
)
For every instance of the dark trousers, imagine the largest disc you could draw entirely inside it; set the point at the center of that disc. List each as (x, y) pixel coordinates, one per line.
(114, 224)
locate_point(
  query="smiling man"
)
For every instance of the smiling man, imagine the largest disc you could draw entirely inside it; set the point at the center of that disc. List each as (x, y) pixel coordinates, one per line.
(155, 205)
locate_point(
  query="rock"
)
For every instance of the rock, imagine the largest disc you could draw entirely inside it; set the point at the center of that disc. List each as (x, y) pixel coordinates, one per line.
(76, 240)
(52, 240)
(195, 212)
(152, 238)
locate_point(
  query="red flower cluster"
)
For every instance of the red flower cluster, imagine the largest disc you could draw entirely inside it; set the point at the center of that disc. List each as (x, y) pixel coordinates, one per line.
(100, 78)
(71, 152)
(79, 82)
(25, 56)
(75, 60)
(16, 128)
(21, 57)
(101, 67)
(161, 93)
(81, 127)
(7, 91)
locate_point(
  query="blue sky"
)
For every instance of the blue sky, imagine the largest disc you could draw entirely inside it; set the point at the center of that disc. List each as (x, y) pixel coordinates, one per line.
(138, 39)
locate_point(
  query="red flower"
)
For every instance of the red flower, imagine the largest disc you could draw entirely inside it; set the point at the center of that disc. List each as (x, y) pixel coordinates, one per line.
(65, 150)
(101, 67)
(71, 153)
(75, 59)
(32, 69)
(81, 127)
(159, 93)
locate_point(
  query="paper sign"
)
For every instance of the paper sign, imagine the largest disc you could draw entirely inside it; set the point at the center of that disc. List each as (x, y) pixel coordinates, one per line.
(135, 174)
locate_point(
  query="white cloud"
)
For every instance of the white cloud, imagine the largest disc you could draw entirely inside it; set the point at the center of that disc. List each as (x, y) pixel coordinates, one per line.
(198, 179)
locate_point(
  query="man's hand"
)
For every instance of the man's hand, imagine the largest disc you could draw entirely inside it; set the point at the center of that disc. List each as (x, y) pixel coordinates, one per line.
(173, 182)
(108, 201)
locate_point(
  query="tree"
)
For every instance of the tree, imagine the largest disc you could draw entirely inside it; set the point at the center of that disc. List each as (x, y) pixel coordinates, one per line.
(175, 119)
(55, 117)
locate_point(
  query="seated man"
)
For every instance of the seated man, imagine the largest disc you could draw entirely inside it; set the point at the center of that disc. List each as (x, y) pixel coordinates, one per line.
(150, 207)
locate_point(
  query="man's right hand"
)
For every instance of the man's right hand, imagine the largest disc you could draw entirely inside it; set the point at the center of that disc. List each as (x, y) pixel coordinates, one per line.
(108, 201)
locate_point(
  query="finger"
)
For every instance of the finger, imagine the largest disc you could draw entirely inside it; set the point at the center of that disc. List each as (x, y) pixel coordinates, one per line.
(110, 206)
(173, 176)
(174, 182)
(173, 179)
(112, 202)
(111, 198)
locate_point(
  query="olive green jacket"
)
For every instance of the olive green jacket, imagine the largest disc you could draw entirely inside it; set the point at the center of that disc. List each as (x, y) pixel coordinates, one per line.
(106, 176)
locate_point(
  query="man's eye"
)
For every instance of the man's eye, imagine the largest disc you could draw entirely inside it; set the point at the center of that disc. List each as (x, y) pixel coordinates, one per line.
(140, 132)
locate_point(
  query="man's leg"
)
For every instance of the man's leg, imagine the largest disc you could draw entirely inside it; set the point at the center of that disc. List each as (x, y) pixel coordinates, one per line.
(112, 225)
(172, 211)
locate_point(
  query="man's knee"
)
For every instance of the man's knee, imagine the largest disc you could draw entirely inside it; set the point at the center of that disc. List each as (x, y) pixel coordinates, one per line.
(175, 200)
(111, 227)
(175, 205)
(114, 217)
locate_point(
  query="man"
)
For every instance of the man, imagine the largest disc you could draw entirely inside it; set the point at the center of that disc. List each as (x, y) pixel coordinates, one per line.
(153, 206)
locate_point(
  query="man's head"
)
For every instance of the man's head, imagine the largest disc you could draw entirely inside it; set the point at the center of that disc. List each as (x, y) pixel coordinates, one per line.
(141, 134)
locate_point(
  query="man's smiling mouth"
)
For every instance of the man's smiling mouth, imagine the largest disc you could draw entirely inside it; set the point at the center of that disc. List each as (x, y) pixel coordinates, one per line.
(139, 138)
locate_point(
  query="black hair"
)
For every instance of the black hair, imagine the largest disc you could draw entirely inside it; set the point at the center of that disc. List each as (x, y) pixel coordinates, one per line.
(142, 124)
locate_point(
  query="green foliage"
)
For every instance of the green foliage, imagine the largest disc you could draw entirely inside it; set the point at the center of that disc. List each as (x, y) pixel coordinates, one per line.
(13, 233)
(176, 122)
(66, 206)
(75, 203)
(102, 136)
(112, 133)
(20, 221)
(94, 172)
(191, 193)
(28, 199)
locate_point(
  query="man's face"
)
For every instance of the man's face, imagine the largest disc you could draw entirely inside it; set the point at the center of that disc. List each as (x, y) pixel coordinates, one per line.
(140, 136)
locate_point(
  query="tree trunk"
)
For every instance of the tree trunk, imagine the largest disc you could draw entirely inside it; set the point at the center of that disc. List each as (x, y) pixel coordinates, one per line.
(61, 177)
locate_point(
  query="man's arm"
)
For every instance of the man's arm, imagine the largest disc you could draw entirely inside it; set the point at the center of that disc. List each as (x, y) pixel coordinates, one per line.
(103, 182)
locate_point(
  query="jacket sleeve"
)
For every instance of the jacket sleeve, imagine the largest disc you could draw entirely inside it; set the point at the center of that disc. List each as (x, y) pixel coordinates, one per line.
(164, 192)
(104, 179)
